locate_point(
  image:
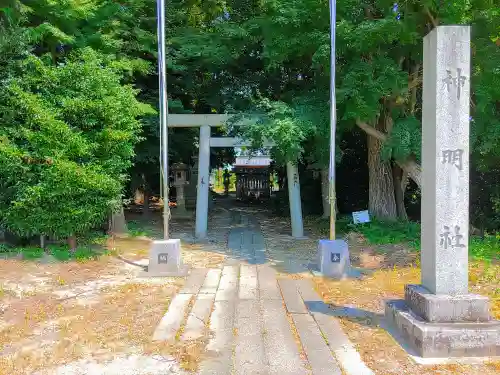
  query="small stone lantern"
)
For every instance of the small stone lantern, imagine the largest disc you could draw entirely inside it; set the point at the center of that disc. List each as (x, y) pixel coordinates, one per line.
(180, 180)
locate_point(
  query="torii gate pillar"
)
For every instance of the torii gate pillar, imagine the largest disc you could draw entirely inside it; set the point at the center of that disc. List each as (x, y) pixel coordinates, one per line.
(203, 183)
(292, 176)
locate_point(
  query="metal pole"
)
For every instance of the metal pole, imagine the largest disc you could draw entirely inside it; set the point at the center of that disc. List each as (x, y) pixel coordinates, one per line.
(333, 118)
(162, 79)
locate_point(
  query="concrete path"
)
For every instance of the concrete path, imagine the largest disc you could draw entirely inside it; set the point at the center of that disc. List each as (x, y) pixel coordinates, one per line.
(256, 323)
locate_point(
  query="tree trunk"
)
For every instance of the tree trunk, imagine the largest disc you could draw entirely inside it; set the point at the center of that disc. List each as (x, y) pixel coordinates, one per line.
(409, 166)
(72, 243)
(381, 201)
(399, 191)
(145, 205)
(118, 225)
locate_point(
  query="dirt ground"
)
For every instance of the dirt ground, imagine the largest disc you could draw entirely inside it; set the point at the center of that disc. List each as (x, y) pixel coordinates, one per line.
(68, 318)
(359, 305)
(72, 317)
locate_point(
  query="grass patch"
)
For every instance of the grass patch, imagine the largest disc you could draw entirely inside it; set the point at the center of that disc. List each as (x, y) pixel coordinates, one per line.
(389, 232)
(59, 252)
(63, 254)
(322, 225)
(4, 248)
(487, 249)
(30, 253)
(137, 229)
(379, 232)
(93, 238)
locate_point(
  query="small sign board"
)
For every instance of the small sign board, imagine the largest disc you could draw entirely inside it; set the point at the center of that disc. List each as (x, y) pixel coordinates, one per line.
(360, 217)
(335, 257)
(163, 258)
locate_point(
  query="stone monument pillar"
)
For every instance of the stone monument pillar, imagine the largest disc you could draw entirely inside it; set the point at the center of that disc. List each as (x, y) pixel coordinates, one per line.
(439, 318)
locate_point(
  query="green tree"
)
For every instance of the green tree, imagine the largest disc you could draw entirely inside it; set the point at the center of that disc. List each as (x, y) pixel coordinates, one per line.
(68, 136)
(285, 47)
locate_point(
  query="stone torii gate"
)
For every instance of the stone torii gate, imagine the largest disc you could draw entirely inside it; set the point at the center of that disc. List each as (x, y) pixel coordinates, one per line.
(204, 122)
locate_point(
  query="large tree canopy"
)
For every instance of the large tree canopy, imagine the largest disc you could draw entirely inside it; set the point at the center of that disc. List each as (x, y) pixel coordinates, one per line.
(284, 50)
(78, 80)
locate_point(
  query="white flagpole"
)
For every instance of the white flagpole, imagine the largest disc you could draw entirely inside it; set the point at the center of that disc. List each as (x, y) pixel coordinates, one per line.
(163, 114)
(333, 119)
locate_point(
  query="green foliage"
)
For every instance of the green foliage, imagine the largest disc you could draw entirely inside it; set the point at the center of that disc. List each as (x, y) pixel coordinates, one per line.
(404, 232)
(30, 253)
(404, 140)
(63, 254)
(135, 229)
(322, 226)
(67, 139)
(389, 232)
(72, 127)
(487, 248)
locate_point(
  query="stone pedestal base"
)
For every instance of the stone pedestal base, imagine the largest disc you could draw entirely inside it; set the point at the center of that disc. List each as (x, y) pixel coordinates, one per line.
(435, 308)
(333, 258)
(165, 259)
(440, 326)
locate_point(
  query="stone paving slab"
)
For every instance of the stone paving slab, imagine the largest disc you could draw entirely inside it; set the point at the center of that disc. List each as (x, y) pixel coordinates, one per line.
(216, 366)
(172, 320)
(235, 239)
(198, 317)
(249, 353)
(268, 284)
(248, 282)
(318, 353)
(228, 286)
(227, 294)
(194, 281)
(220, 345)
(221, 325)
(211, 281)
(336, 339)
(293, 300)
(280, 346)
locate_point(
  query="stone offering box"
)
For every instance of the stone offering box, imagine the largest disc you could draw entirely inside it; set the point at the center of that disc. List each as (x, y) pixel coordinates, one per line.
(165, 259)
(333, 258)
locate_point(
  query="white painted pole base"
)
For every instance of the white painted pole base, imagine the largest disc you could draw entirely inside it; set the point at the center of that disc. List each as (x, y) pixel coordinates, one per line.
(165, 260)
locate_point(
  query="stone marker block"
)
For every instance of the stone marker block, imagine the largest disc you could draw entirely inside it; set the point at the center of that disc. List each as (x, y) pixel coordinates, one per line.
(445, 160)
(443, 340)
(165, 259)
(333, 258)
(436, 308)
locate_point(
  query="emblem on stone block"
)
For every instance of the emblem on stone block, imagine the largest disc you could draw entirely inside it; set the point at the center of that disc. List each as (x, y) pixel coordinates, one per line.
(335, 257)
(162, 258)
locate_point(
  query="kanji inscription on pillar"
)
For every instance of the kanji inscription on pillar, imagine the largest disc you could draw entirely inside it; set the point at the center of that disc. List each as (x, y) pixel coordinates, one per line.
(455, 81)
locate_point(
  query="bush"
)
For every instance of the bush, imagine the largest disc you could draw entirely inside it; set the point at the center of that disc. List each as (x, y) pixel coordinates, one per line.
(66, 141)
